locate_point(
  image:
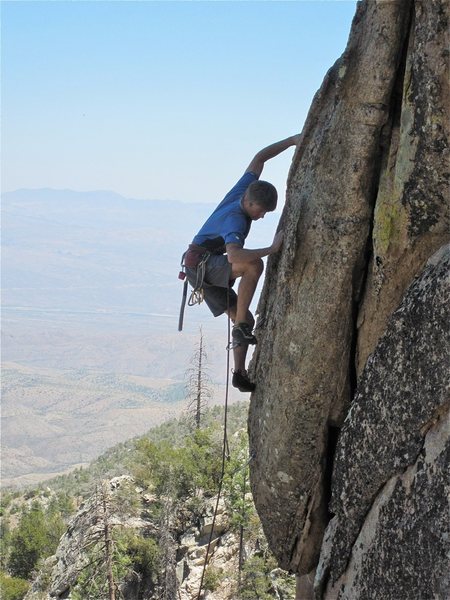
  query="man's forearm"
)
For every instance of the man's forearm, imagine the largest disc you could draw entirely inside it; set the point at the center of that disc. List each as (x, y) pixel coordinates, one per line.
(257, 164)
(277, 148)
(242, 255)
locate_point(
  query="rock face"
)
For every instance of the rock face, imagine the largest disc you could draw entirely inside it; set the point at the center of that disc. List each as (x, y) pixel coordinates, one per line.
(390, 481)
(411, 210)
(366, 207)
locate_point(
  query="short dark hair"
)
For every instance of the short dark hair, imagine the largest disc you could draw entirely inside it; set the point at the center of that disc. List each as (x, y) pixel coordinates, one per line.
(264, 194)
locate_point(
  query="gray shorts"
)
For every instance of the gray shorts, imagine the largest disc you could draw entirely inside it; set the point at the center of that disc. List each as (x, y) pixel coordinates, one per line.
(217, 284)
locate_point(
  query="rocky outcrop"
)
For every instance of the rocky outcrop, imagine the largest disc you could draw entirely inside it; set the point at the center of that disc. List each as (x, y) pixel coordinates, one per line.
(182, 536)
(61, 571)
(224, 552)
(366, 207)
(223, 561)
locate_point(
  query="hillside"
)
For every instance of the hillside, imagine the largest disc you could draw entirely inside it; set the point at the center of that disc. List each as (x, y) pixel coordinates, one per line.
(159, 492)
(53, 420)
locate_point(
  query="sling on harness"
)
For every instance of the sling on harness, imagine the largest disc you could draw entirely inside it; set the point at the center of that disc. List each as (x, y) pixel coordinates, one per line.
(194, 257)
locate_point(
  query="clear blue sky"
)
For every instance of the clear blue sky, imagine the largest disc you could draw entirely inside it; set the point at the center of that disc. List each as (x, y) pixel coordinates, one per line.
(159, 99)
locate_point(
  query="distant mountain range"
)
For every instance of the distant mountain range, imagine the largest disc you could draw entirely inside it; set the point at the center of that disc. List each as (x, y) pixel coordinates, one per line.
(90, 284)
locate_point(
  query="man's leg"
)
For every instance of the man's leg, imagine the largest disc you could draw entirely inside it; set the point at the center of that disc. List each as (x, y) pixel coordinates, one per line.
(240, 377)
(218, 267)
(250, 274)
(240, 352)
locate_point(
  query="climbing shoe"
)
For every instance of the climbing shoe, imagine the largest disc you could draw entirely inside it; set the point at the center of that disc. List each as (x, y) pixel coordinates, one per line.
(242, 334)
(242, 382)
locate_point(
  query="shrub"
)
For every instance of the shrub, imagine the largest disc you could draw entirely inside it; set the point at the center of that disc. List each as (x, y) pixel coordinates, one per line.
(12, 588)
(180, 471)
(212, 579)
(143, 553)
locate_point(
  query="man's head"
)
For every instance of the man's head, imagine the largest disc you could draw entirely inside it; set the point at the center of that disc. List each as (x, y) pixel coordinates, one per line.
(260, 198)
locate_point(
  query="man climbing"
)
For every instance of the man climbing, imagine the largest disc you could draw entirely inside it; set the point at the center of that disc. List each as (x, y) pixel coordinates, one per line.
(208, 267)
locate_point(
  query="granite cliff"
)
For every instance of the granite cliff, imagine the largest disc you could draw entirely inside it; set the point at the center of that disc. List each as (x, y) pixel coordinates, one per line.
(348, 423)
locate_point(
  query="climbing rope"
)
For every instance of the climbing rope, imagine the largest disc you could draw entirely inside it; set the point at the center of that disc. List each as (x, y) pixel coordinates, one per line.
(225, 449)
(198, 294)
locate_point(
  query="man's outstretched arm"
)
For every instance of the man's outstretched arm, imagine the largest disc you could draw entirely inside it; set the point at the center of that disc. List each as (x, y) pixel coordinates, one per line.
(257, 164)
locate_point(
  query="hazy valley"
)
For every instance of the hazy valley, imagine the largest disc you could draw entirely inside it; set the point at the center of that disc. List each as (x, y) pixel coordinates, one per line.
(91, 351)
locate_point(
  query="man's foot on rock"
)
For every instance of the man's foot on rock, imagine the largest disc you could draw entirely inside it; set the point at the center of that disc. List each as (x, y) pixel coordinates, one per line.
(242, 382)
(242, 334)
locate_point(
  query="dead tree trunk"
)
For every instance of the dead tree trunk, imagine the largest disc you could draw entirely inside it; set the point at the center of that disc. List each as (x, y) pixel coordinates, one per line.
(198, 384)
(108, 542)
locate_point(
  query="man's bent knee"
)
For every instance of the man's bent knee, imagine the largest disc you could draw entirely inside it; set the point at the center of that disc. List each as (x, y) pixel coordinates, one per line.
(256, 267)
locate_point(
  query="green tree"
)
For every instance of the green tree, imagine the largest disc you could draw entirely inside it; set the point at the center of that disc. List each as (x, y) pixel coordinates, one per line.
(94, 582)
(5, 537)
(34, 538)
(143, 553)
(6, 498)
(237, 493)
(131, 553)
(194, 466)
(61, 504)
(237, 483)
(255, 581)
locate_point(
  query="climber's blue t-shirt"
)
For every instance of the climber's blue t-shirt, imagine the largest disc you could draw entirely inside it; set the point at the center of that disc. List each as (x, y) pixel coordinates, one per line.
(228, 224)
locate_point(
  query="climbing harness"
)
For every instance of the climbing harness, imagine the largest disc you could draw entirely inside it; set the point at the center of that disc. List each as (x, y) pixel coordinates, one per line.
(194, 257)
